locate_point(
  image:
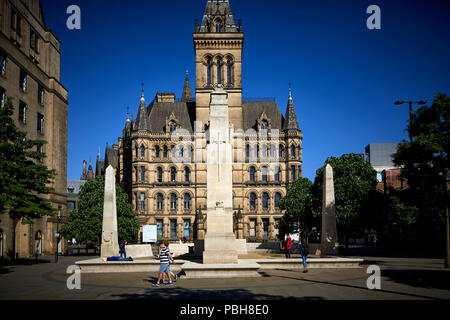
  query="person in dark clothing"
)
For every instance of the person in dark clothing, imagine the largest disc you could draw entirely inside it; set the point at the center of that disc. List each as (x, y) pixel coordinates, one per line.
(288, 246)
(304, 251)
(122, 252)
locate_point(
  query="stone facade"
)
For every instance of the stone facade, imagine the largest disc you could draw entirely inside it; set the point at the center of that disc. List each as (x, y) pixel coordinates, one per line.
(170, 191)
(30, 74)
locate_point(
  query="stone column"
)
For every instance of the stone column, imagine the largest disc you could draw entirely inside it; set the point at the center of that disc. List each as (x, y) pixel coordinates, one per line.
(329, 241)
(110, 242)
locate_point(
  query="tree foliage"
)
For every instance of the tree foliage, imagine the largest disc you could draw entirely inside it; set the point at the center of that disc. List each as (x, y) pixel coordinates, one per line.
(23, 176)
(85, 223)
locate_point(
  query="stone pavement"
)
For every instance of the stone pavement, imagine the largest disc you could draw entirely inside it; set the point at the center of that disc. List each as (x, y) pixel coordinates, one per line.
(402, 278)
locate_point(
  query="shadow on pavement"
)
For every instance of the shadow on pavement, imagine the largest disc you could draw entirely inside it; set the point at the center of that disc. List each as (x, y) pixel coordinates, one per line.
(195, 294)
(435, 279)
(23, 262)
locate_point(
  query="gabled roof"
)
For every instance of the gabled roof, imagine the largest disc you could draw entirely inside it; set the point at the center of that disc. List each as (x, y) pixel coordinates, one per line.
(251, 111)
(159, 112)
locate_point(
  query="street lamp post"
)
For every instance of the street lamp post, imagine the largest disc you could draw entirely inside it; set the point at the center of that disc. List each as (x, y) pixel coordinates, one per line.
(399, 102)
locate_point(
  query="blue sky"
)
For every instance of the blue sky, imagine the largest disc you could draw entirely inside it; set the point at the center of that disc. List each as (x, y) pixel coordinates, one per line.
(345, 78)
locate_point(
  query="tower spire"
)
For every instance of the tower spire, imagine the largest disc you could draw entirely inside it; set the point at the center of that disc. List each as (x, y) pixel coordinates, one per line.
(141, 118)
(187, 93)
(290, 121)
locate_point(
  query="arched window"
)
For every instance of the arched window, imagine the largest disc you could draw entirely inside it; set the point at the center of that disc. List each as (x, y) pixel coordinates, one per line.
(187, 201)
(157, 152)
(252, 201)
(142, 200)
(277, 200)
(292, 173)
(142, 151)
(264, 174)
(280, 151)
(208, 72)
(264, 125)
(293, 150)
(252, 174)
(229, 72)
(142, 174)
(187, 174)
(277, 174)
(218, 26)
(265, 200)
(173, 201)
(160, 174)
(166, 151)
(172, 126)
(219, 72)
(247, 151)
(173, 174)
(181, 152)
(159, 201)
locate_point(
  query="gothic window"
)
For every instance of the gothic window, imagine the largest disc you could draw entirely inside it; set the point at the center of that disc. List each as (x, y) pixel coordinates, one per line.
(277, 173)
(172, 126)
(208, 72)
(292, 173)
(265, 200)
(280, 151)
(293, 150)
(142, 151)
(173, 201)
(264, 174)
(160, 174)
(159, 227)
(142, 174)
(264, 125)
(247, 151)
(229, 72)
(159, 201)
(166, 151)
(173, 174)
(218, 26)
(142, 201)
(187, 201)
(173, 228)
(252, 201)
(187, 174)
(181, 152)
(277, 200)
(252, 174)
(219, 74)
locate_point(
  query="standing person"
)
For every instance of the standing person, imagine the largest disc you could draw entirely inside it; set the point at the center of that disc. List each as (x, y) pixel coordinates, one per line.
(304, 251)
(122, 249)
(288, 246)
(164, 257)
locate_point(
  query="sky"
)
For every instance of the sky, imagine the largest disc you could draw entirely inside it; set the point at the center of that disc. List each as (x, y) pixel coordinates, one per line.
(345, 78)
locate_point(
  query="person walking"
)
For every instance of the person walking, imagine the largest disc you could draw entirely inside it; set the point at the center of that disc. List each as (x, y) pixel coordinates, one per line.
(288, 246)
(122, 251)
(164, 257)
(304, 251)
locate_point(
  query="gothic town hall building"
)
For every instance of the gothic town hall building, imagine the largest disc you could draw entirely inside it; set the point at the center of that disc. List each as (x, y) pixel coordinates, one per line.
(171, 193)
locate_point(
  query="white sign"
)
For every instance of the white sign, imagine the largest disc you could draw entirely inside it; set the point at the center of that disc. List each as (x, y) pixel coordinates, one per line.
(149, 234)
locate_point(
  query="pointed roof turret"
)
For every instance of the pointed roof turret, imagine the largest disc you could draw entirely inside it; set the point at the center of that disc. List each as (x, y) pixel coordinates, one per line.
(187, 93)
(141, 119)
(290, 121)
(218, 11)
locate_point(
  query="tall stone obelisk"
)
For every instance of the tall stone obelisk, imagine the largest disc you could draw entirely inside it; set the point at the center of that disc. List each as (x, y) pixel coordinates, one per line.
(110, 242)
(220, 242)
(329, 241)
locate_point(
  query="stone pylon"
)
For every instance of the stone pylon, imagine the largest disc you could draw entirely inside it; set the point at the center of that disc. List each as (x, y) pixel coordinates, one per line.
(110, 242)
(329, 241)
(220, 242)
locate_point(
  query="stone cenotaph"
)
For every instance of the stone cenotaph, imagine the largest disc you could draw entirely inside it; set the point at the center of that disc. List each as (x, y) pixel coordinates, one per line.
(220, 242)
(110, 242)
(329, 241)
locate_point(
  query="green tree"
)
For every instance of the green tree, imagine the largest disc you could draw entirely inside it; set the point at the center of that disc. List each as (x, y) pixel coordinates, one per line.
(24, 179)
(85, 224)
(354, 182)
(425, 166)
(297, 206)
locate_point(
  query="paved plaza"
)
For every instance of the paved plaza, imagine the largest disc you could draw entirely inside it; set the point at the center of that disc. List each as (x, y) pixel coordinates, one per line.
(402, 278)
